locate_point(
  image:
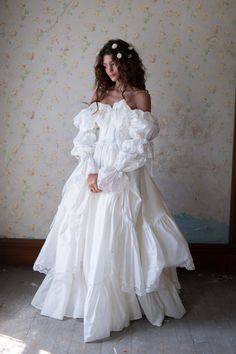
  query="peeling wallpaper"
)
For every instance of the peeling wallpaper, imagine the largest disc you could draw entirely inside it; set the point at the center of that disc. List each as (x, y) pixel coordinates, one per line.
(48, 50)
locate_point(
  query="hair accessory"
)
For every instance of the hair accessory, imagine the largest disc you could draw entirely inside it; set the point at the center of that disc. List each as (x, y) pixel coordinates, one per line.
(130, 47)
(129, 55)
(119, 55)
(114, 46)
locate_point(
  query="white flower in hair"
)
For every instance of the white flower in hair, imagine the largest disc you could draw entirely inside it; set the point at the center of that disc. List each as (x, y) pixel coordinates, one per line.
(119, 55)
(130, 47)
(114, 46)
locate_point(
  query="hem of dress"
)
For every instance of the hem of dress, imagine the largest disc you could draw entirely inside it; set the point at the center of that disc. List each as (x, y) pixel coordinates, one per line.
(41, 268)
(134, 318)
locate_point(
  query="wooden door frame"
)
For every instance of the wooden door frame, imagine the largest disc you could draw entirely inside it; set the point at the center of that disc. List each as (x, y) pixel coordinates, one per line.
(232, 224)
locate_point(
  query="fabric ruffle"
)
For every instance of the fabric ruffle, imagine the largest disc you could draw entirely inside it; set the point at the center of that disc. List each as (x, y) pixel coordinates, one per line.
(110, 179)
(138, 147)
(84, 142)
(139, 248)
(69, 295)
(111, 256)
(134, 152)
(73, 298)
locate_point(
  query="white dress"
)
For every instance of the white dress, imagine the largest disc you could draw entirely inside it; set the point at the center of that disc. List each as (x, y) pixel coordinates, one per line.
(111, 256)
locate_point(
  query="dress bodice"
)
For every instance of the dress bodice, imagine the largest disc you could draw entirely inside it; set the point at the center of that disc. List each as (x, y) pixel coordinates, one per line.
(113, 138)
(114, 121)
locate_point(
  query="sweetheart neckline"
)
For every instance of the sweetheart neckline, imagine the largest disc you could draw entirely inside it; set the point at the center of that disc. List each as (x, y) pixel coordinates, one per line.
(112, 106)
(117, 102)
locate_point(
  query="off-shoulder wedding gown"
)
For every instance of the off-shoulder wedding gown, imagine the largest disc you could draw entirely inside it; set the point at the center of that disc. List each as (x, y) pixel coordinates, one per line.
(111, 256)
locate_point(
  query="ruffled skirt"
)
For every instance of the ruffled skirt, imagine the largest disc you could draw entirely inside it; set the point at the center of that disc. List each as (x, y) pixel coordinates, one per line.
(111, 257)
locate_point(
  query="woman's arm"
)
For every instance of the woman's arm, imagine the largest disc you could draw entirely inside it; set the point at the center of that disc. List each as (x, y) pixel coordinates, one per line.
(84, 143)
(92, 177)
(135, 150)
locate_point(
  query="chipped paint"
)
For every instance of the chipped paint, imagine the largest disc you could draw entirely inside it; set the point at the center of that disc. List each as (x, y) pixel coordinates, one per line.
(202, 230)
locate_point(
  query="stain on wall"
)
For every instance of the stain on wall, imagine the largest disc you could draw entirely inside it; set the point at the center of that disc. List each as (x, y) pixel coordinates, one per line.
(48, 50)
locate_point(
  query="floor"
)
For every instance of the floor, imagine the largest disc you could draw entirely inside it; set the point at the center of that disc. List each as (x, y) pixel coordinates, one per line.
(209, 327)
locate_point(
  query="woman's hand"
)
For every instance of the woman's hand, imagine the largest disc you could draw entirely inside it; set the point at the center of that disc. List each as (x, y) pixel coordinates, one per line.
(92, 182)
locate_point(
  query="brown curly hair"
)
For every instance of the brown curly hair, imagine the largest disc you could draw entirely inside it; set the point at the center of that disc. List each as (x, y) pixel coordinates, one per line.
(130, 66)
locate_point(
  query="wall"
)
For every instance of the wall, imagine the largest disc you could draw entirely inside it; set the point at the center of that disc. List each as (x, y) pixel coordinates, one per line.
(48, 50)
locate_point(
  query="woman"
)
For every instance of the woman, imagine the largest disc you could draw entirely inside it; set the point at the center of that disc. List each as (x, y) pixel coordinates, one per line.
(113, 246)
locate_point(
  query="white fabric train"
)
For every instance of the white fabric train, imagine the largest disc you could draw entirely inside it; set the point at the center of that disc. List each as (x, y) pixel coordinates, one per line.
(111, 256)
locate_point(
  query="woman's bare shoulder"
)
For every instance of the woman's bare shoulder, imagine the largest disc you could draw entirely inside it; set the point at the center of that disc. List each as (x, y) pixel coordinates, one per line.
(137, 90)
(142, 100)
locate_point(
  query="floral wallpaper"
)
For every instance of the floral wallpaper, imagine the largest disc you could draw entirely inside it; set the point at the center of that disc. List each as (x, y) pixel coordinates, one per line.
(48, 49)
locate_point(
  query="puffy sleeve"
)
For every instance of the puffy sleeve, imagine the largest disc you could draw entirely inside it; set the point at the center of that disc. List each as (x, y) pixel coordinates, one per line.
(84, 142)
(134, 151)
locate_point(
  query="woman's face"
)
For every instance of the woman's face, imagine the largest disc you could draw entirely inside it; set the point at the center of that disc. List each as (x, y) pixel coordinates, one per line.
(110, 67)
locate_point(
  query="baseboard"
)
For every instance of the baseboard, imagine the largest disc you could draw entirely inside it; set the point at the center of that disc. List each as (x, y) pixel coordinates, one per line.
(209, 257)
